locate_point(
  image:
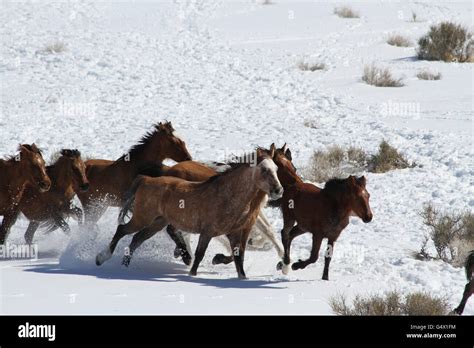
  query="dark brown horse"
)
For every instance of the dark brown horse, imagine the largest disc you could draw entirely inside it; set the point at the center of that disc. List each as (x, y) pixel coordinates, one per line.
(469, 289)
(16, 172)
(227, 203)
(322, 212)
(110, 180)
(67, 174)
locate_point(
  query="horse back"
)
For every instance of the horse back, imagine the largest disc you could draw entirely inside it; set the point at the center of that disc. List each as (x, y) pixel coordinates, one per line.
(191, 171)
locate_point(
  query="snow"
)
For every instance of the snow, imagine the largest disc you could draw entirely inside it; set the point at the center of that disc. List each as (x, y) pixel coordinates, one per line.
(225, 73)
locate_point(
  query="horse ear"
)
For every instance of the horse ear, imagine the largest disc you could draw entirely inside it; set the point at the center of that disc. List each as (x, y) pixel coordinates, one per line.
(272, 150)
(288, 154)
(362, 180)
(283, 148)
(352, 179)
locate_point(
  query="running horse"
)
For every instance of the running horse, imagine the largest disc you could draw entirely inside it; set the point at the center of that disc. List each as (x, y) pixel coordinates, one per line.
(16, 172)
(226, 204)
(324, 213)
(67, 175)
(110, 180)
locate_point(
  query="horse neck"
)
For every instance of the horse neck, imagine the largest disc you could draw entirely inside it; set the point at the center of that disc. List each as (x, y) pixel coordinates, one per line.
(338, 202)
(288, 180)
(10, 176)
(61, 178)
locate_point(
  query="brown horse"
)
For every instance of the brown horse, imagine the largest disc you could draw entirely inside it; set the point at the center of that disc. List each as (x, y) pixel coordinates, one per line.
(16, 172)
(227, 203)
(322, 212)
(67, 174)
(469, 289)
(110, 180)
(195, 171)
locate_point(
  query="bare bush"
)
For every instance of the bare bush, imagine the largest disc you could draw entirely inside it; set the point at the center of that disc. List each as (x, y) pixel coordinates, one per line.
(448, 42)
(399, 41)
(346, 12)
(391, 303)
(452, 233)
(307, 66)
(386, 159)
(380, 77)
(428, 75)
(336, 162)
(55, 47)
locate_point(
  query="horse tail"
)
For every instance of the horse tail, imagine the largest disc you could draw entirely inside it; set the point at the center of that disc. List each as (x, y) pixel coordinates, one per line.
(470, 265)
(129, 199)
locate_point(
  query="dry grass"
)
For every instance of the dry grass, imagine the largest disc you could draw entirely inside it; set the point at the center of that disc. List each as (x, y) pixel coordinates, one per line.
(428, 75)
(306, 66)
(386, 159)
(399, 41)
(346, 12)
(391, 303)
(380, 77)
(55, 47)
(448, 42)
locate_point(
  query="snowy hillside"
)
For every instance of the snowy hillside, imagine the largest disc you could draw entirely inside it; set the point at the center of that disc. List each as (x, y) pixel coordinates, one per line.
(226, 74)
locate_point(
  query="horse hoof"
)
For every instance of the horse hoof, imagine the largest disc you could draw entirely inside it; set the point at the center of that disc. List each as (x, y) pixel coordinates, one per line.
(250, 241)
(280, 266)
(192, 273)
(325, 278)
(242, 277)
(187, 259)
(177, 252)
(297, 265)
(126, 261)
(218, 259)
(102, 257)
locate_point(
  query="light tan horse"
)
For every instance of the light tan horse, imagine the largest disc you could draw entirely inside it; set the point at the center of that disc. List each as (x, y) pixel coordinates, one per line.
(227, 203)
(110, 180)
(67, 174)
(16, 172)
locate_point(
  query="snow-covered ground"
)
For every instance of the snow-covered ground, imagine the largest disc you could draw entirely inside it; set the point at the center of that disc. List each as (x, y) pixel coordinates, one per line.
(225, 73)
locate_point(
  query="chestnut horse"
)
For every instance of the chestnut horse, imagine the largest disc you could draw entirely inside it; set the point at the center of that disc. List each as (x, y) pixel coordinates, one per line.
(16, 172)
(67, 174)
(110, 180)
(469, 289)
(227, 203)
(322, 212)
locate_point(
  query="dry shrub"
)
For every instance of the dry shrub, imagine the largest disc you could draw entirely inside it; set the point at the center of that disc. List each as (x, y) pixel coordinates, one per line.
(452, 234)
(428, 75)
(55, 47)
(380, 77)
(399, 41)
(306, 66)
(387, 158)
(346, 12)
(391, 303)
(448, 42)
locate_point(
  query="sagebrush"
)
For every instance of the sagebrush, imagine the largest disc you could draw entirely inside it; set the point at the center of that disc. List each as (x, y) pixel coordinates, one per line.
(380, 77)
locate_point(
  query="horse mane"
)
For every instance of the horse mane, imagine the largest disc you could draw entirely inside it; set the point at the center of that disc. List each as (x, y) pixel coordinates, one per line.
(335, 185)
(233, 166)
(12, 158)
(157, 129)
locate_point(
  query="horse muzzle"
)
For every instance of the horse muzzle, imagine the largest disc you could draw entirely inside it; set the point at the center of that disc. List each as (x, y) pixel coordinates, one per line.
(44, 186)
(84, 187)
(276, 193)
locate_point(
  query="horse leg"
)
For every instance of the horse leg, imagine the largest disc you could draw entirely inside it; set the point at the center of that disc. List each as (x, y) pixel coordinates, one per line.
(238, 242)
(221, 258)
(270, 234)
(287, 238)
(140, 237)
(93, 211)
(200, 251)
(8, 221)
(181, 247)
(314, 254)
(30, 231)
(62, 224)
(78, 214)
(122, 231)
(468, 291)
(327, 259)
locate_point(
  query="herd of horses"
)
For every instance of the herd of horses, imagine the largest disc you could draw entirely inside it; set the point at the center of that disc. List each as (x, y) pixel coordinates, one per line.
(222, 200)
